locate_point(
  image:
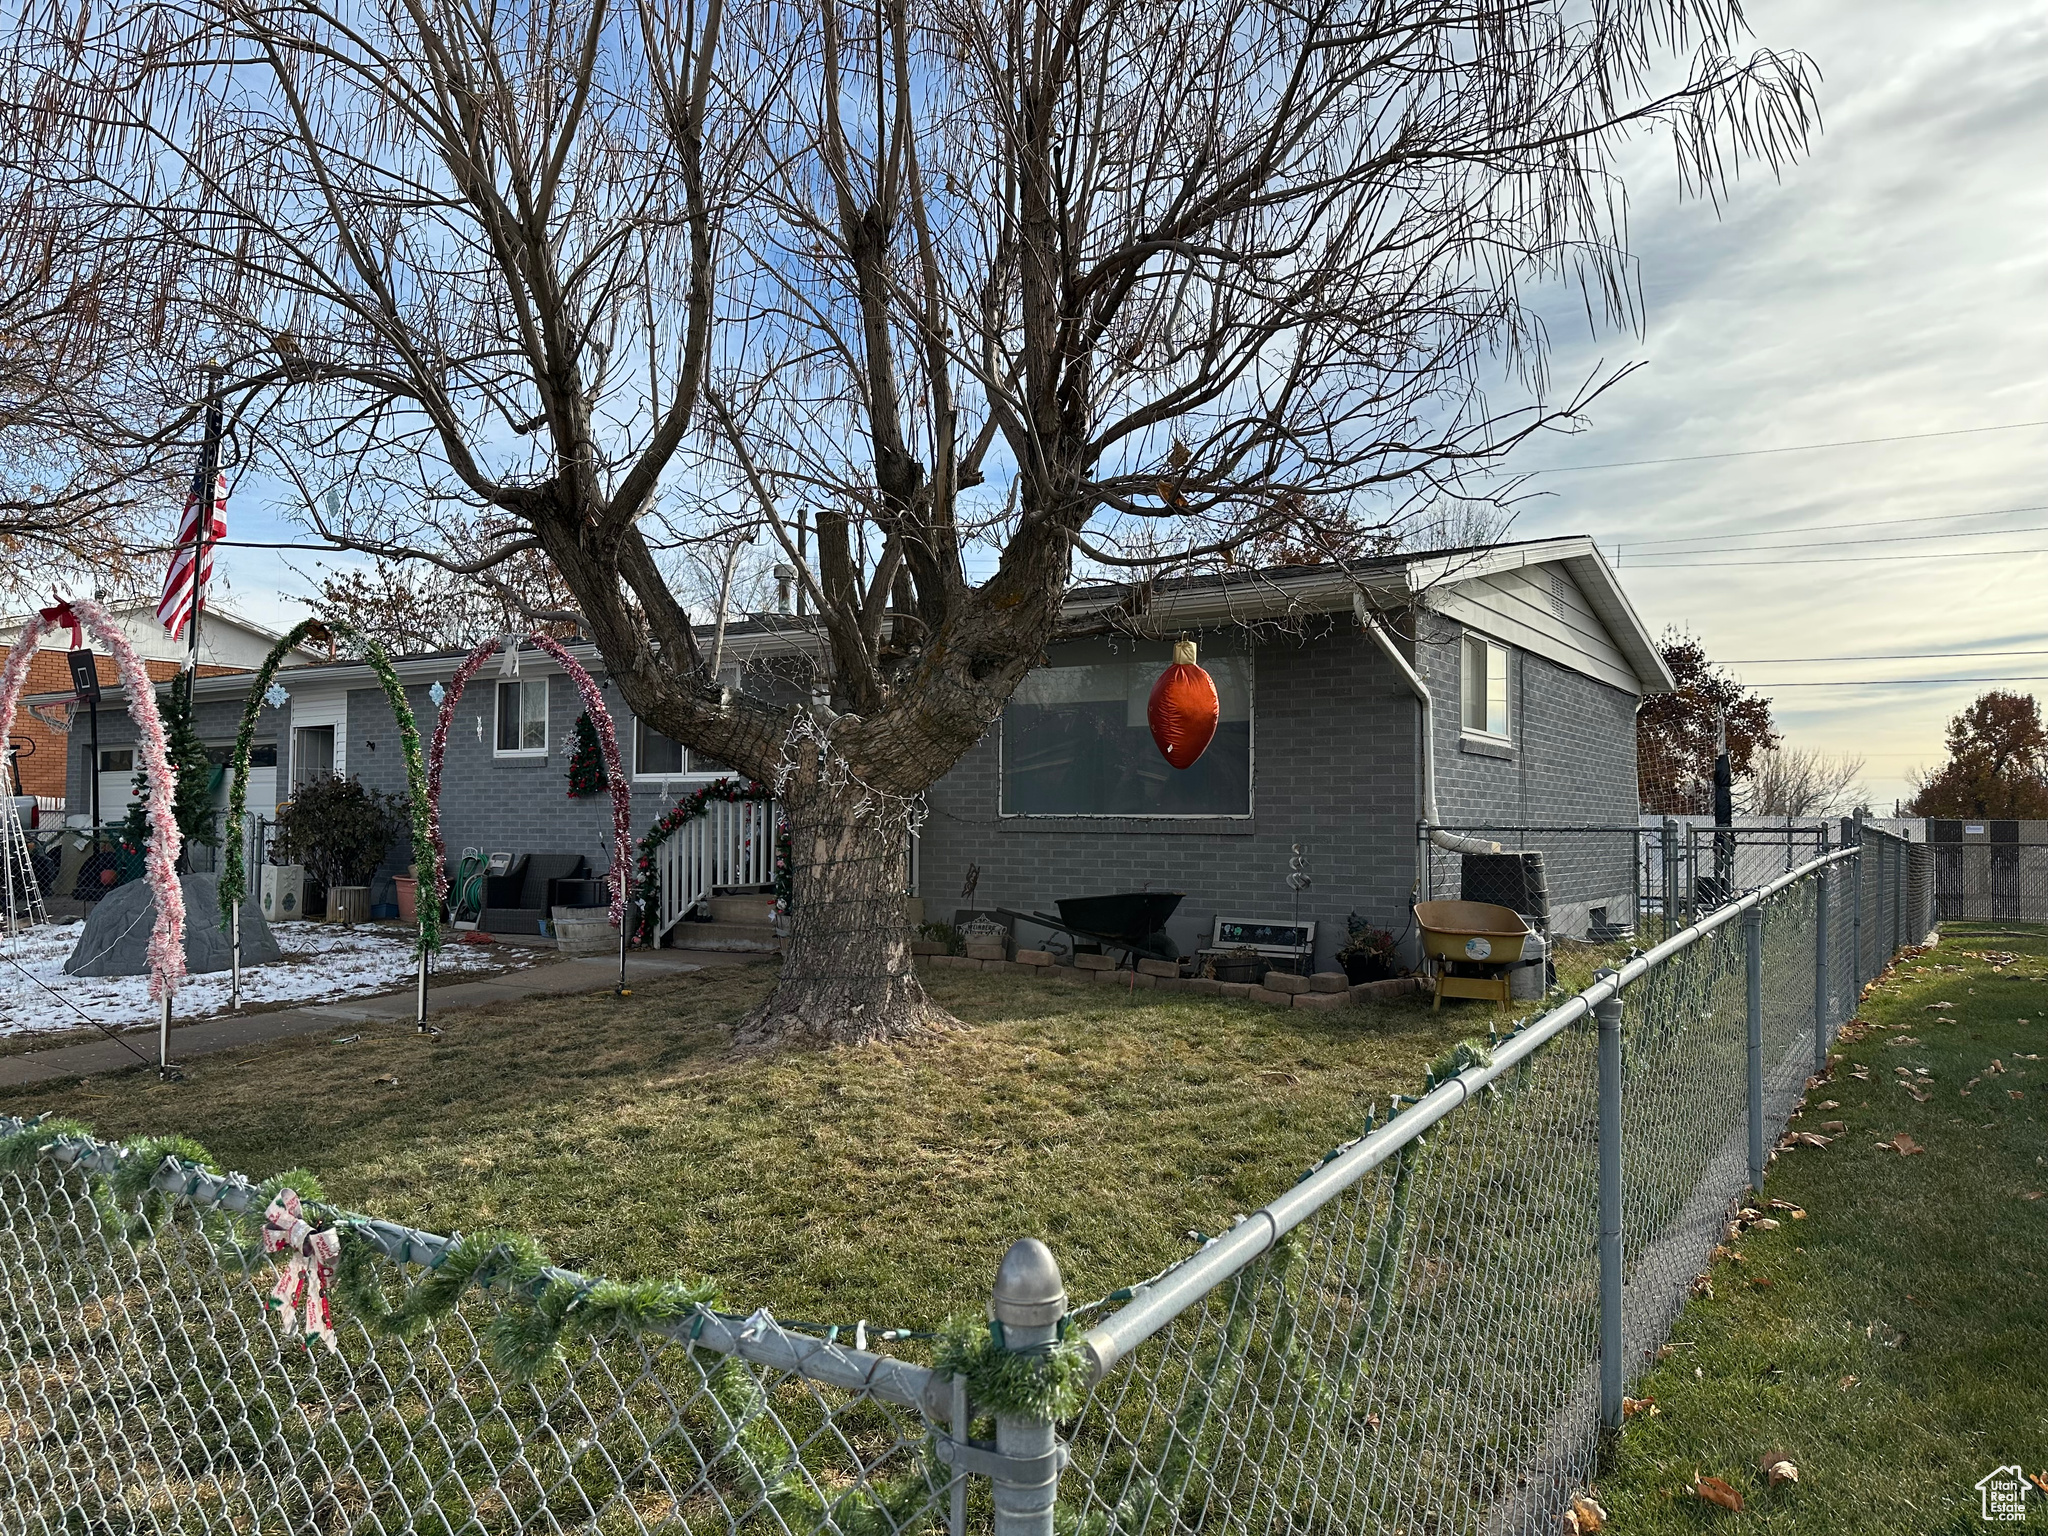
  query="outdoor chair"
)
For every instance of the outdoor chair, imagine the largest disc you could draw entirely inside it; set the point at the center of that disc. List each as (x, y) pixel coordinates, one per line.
(519, 901)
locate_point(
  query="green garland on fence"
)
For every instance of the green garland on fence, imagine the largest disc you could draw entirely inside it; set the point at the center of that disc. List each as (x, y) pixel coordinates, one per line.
(1046, 1383)
(234, 880)
(691, 806)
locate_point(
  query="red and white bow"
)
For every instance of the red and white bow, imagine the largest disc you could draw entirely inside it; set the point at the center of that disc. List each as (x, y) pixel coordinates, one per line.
(307, 1276)
(62, 617)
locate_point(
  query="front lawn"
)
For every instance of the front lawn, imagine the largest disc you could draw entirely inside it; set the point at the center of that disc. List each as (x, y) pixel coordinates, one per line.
(877, 1183)
(1892, 1344)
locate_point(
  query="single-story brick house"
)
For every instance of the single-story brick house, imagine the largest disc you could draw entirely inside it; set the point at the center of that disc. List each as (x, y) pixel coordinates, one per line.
(1527, 660)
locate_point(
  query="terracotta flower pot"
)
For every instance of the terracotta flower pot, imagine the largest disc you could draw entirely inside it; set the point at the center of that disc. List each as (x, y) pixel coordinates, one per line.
(408, 900)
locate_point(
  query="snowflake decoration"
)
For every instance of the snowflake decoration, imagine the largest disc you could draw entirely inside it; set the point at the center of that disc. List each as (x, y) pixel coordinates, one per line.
(275, 695)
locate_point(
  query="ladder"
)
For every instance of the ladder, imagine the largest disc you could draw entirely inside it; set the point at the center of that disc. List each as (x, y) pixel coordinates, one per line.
(24, 896)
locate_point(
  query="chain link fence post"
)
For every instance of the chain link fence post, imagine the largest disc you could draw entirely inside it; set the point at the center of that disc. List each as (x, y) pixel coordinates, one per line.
(1670, 878)
(1856, 926)
(1027, 1305)
(1608, 1016)
(1899, 900)
(1753, 965)
(1823, 999)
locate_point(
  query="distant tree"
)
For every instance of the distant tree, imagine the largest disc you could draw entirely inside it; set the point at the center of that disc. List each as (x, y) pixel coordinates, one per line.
(586, 762)
(1997, 763)
(1791, 781)
(1676, 732)
(416, 606)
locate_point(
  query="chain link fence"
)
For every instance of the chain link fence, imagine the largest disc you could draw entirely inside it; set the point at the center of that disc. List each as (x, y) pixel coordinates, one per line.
(1427, 1333)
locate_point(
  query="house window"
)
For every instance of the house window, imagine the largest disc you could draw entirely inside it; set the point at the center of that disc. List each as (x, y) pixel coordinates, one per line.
(312, 754)
(1075, 740)
(263, 755)
(656, 756)
(1483, 688)
(116, 759)
(523, 716)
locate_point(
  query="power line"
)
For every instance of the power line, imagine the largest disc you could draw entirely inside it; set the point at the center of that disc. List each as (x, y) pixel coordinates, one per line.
(1881, 522)
(1967, 554)
(1892, 538)
(1801, 661)
(1902, 682)
(1749, 453)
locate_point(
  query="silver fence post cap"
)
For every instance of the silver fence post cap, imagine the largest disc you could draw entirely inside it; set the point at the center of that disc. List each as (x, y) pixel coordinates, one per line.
(1028, 1292)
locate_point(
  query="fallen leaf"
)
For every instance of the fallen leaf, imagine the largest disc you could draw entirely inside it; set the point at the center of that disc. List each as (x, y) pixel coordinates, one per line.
(1779, 1468)
(1827, 1104)
(1918, 1096)
(1372, 1422)
(1996, 1066)
(2032, 1194)
(1835, 1126)
(1765, 1224)
(2039, 1480)
(1935, 1007)
(1786, 1205)
(1861, 1074)
(1902, 1040)
(1714, 1491)
(2014, 1093)
(1848, 1382)
(1809, 1139)
(1901, 1072)
(1761, 1282)
(1631, 1406)
(1703, 1288)
(1902, 1144)
(1584, 1516)
(388, 1082)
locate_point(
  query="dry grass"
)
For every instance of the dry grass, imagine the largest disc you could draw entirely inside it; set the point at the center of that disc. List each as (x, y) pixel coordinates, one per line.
(880, 1182)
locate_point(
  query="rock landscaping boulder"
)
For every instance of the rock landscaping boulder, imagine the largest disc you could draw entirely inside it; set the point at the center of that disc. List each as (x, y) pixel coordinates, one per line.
(116, 937)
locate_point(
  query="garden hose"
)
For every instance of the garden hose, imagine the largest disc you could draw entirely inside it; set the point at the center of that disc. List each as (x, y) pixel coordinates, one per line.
(469, 884)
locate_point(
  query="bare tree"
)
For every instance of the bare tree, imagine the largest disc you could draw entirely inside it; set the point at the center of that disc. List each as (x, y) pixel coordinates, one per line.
(1791, 781)
(91, 406)
(952, 300)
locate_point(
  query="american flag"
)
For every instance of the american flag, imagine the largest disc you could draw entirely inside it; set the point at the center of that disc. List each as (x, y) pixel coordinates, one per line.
(175, 608)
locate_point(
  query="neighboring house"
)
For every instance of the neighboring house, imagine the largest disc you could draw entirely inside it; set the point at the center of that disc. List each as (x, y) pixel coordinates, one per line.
(227, 643)
(1532, 657)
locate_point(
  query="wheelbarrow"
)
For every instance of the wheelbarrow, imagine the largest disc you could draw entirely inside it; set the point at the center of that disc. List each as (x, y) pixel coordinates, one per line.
(1132, 921)
(1473, 945)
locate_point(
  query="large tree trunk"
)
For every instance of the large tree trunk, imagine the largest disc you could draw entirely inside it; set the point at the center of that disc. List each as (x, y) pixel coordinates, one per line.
(847, 977)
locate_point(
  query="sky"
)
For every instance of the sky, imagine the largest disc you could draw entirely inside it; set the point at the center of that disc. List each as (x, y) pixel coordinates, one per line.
(1891, 284)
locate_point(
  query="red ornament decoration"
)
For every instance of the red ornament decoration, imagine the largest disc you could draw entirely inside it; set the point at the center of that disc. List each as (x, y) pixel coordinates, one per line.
(1183, 710)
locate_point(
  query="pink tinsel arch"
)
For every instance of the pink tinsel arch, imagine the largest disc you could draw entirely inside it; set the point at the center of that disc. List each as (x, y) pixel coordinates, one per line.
(167, 939)
(607, 740)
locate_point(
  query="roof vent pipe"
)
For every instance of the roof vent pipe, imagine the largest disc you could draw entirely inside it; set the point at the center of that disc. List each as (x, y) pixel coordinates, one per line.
(1450, 841)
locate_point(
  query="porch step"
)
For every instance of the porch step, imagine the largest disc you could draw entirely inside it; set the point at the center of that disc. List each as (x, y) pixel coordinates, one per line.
(750, 938)
(752, 910)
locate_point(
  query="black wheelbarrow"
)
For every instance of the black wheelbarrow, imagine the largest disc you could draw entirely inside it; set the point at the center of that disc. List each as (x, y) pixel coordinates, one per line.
(1132, 921)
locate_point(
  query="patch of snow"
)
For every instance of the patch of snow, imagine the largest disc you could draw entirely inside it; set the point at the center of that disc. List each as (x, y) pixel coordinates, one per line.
(323, 962)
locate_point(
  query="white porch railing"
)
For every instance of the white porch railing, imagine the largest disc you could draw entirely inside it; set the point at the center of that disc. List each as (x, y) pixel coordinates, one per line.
(730, 847)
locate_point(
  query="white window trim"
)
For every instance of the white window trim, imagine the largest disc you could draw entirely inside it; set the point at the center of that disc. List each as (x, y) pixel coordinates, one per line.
(313, 713)
(1466, 732)
(546, 717)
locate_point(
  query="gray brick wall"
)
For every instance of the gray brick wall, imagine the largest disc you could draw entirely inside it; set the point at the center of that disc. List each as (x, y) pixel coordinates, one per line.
(1334, 766)
(1571, 763)
(218, 720)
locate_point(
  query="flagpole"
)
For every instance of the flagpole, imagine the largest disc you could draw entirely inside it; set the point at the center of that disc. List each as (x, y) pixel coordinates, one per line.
(209, 482)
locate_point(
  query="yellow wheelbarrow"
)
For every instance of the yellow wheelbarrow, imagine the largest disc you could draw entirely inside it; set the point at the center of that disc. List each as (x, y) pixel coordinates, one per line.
(1472, 945)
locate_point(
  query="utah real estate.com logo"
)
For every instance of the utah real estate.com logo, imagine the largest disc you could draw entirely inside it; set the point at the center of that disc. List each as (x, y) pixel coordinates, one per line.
(2004, 1492)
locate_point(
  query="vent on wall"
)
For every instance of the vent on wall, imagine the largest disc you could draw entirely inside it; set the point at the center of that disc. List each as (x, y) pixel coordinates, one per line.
(1557, 590)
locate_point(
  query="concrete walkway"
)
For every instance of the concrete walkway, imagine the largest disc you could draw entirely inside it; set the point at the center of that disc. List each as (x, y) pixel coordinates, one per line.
(562, 976)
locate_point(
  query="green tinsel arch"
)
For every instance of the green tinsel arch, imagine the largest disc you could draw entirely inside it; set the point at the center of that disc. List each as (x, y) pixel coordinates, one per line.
(234, 880)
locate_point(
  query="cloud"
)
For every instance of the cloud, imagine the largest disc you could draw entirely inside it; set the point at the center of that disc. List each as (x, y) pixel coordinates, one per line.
(1890, 283)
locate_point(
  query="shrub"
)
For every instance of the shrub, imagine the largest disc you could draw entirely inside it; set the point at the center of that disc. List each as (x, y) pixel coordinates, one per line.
(339, 830)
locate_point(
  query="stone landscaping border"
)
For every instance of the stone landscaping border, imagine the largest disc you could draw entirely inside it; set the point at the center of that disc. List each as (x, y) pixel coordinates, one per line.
(1324, 990)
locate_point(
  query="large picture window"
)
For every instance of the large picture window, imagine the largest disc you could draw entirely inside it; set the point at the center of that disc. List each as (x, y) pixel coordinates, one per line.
(1076, 742)
(523, 715)
(656, 756)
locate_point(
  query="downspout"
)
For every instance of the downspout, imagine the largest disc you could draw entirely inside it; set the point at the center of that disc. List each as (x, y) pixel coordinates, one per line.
(1449, 841)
